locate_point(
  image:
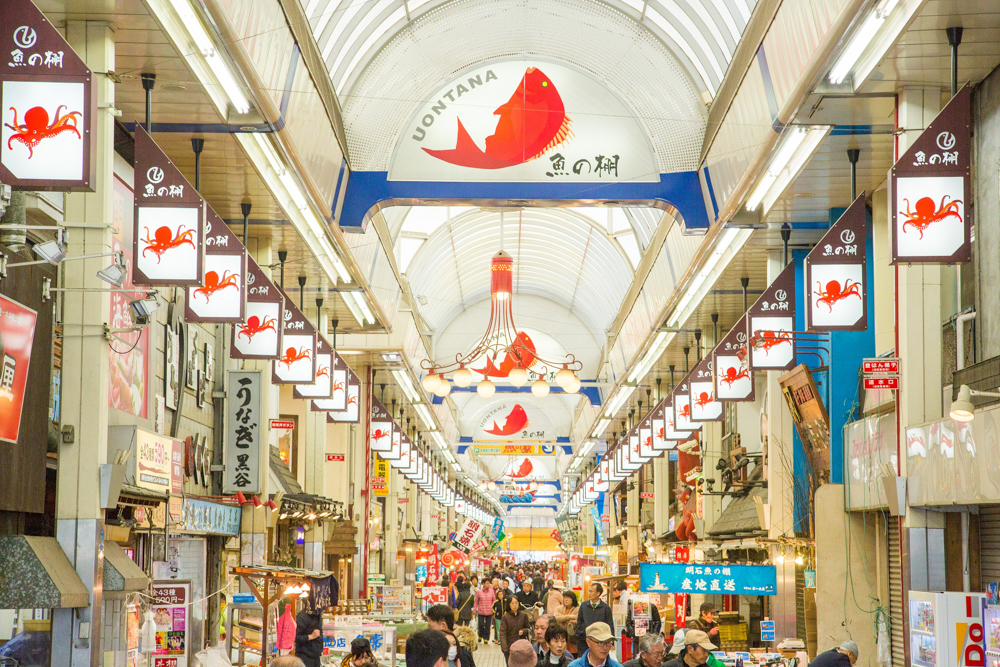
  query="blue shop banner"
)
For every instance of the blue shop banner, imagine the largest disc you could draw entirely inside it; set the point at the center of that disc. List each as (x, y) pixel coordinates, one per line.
(724, 579)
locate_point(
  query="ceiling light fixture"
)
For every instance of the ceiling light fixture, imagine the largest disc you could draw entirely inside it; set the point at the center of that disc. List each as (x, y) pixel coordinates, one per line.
(962, 409)
(797, 146)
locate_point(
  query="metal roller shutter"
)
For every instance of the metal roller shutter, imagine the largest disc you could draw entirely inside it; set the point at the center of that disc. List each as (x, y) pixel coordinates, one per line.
(989, 543)
(895, 595)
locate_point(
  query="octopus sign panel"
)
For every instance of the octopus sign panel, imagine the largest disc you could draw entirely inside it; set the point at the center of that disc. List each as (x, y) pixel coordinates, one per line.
(520, 120)
(222, 295)
(771, 324)
(730, 363)
(47, 105)
(929, 187)
(258, 336)
(297, 364)
(836, 293)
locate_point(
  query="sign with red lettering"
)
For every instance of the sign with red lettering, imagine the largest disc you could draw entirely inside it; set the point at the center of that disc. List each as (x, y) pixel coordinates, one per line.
(281, 423)
(17, 333)
(335, 458)
(403, 501)
(466, 537)
(169, 605)
(47, 105)
(889, 366)
(881, 383)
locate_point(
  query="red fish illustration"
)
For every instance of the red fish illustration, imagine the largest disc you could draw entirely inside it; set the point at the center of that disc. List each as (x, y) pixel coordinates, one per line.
(531, 122)
(523, 470)
(516, 420)
(524, 347)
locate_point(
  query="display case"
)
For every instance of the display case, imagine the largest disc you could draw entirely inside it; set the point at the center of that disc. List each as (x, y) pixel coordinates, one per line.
(338, 634)
(946, 629)
(243, 633)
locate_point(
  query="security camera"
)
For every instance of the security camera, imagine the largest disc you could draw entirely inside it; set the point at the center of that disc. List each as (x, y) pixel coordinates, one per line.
(142, 309)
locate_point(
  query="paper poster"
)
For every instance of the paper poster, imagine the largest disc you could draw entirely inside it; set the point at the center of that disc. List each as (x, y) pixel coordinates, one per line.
(169, 606)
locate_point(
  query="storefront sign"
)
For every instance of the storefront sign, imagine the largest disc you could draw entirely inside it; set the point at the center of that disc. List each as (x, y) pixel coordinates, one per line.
(767, 631)
(835, 275)
(297, 364)
(870, 447)
(351, 415)
(881, 383)
(222, 295)
(708, 579)
(509, 420)
(169, 605)
(211, 518)
(432, 562)
(771, 323)
(468, 535)
(258, 336)
(47, 104)
(17, 333)
(556, 123)
(334, 458)
(159, 462)
(547, 449)
(682, 407)
(169, 228)
(380, 473)
(434, 595)
(397, 600)
(731, 365)
(705, 407)
(930, 189)
(243, 432)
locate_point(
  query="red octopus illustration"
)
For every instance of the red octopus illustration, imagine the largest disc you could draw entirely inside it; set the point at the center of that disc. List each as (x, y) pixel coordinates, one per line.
(649, 442)
(164, 240)
(704, 398)
(213, 284)
(255, 326)
(36, 126)
(291, 356)
(323, 370)
(685, 411)
(834, 293)
(338, 386)
(923, 214)
(378, 434)
(353, 400)
(731, 376)
(768, 339)
(660, 434)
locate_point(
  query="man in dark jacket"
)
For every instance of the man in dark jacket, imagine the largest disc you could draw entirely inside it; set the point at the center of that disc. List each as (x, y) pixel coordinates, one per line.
(650, 652)
(844, 655)
(594, 610)
(527, 597)
(309, 636)
(706, 622)
(697, 648)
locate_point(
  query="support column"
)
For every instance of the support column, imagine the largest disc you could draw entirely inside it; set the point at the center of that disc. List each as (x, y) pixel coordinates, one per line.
(425, 517)
(76, 633)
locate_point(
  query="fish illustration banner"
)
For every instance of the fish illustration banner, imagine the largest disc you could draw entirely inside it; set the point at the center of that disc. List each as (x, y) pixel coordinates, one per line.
(836, 289)
(930, 187)
(169, 226)
(222, 296)
(705, 406)
(508, 420)
(259, 335)
(771, 325)
(524, 121)
(731, 365)
(47, 105)
(708, 579)
(297, 364)
(17, 334)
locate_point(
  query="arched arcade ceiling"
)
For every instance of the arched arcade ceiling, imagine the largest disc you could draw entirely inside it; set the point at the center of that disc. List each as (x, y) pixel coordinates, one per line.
(664, 58)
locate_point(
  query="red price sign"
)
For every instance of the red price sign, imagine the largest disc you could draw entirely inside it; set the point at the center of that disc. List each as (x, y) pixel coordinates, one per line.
(881, 366)
(281, 423)
(882, 383)
(335, 457)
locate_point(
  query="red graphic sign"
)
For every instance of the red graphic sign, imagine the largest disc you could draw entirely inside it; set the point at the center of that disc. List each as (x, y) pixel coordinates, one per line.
(881, 383)
(17, 332)
(279, 423)
(335, 457)
(524, 347)
(522, 470)
(515, 421)
(646, 495)
(884, 366)
(403, 501)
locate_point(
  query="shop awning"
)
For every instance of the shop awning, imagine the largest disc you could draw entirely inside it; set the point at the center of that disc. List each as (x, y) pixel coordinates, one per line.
(281, 477)
(120, 572)
(37, 574)
(740, 519)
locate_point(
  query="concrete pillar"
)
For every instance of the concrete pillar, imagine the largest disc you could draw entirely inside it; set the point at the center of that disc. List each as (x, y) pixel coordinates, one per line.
(425, 517)
(76, 633)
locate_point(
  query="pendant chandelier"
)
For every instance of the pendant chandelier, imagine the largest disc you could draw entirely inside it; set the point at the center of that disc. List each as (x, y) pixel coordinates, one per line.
(505, 351)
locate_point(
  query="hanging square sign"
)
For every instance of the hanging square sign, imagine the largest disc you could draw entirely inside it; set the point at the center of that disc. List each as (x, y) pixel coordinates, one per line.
(646, 438)
(380, 434)
(222, 296)
(17, 333)
(351, 414)
(771, 325)
(659, 427)
(322, 386)
(47, 105)
(731, 365)
(682, 406)
(297, 364)
(705, 407)
(836, 291)
(168, 232)
(930, 188)
(338, 397)
(670, 431)
(259, 335)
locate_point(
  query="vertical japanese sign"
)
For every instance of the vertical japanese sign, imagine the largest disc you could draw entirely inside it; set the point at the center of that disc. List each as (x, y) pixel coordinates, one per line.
(322, 385)
(47, 105)
(432, 565)
(836, 292)
(258, 336)
(17, 333)
(771, 324)
(129, 376)
(169, 228)
(380, 471)
(731, 365)
(468, 534)
(705, 405)
(170, 603)
(930, 188)
(222, 295)
(297, 364)
(243, 432)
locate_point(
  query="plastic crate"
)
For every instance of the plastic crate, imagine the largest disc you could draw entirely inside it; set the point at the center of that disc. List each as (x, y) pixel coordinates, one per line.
(736, 632)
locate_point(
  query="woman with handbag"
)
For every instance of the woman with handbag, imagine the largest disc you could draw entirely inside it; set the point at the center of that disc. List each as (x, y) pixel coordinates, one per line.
(463, 602)
(516, 624)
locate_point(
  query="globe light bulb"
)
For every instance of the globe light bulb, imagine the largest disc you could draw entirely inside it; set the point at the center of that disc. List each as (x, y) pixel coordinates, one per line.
(462, 377)
(573, 386)
(517, 377)
(486, 388)
(431, 382)
(564, 377)
(443, 390)
(540, 388)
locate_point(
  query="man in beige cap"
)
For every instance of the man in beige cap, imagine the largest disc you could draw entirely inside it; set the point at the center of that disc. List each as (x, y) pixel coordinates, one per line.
(522, 655)
(697, 647)
(600, 642)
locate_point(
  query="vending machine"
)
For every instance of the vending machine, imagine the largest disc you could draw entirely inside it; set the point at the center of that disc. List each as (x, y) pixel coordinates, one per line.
(946, 629)
(991, 632)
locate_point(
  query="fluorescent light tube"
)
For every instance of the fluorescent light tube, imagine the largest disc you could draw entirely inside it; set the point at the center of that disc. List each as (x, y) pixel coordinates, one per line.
(789, 144)
(648, 359)
(228, 83)
(859, 42)
(359, 299)
(425, 416)
(404, 381)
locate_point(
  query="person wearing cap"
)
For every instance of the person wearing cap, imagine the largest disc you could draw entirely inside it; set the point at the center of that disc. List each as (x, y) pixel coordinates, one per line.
(522, 655)
(697, 650)
(650, 651)
(844, 655)
(360, 655)
(594, 610)
(706, 622)
(600, 643)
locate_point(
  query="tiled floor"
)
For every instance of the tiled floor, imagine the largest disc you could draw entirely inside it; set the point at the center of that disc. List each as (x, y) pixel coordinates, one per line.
(488, 655)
